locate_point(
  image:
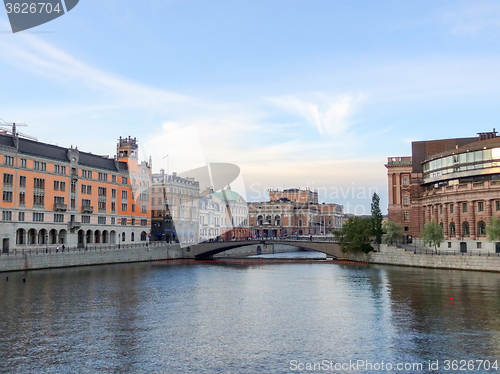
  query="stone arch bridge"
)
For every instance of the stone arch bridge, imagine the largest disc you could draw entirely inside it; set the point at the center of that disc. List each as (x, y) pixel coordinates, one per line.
(208, 249)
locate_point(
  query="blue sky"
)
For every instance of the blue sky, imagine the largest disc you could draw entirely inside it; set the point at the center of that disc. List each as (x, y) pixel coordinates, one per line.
(297, 93)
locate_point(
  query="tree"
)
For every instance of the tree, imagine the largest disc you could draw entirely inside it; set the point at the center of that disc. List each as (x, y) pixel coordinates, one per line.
(355, 235)
(376, 218)
(392, 231)
(493, 230)
(433, 234)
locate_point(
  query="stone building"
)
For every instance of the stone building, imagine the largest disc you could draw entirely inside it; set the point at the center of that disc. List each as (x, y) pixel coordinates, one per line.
(54, 196)
(293, 212)
(174, 213)
(454, 182)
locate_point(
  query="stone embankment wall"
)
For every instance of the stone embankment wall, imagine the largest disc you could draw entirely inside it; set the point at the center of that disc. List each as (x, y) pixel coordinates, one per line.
(397, 256)
(16, 262)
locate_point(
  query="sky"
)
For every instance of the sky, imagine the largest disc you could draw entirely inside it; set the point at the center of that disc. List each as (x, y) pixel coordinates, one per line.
(313, 94)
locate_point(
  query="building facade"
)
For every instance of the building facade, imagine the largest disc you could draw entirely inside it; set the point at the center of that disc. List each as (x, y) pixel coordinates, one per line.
(174, 212)
(233, 214)
(294, 212)
(210, 217)
(54, 196)
(454, 182)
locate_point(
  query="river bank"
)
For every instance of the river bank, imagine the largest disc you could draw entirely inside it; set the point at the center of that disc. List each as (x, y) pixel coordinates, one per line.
(91, 256)
(391, 255)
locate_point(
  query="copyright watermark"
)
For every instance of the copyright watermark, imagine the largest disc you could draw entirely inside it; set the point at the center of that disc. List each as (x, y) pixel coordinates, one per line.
(25, 15)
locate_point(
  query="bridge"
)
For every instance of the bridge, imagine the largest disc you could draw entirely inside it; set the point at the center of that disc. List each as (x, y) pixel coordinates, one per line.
(207, 249)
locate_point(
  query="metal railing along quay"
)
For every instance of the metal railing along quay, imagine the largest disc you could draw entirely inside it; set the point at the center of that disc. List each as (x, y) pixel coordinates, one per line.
(448, 252)
(30, 250)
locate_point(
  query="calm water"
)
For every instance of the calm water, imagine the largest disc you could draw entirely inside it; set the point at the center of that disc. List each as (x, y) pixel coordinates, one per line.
(210, 318)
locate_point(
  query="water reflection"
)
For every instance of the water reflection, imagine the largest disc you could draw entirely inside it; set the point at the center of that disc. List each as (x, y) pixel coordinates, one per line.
(182, 318)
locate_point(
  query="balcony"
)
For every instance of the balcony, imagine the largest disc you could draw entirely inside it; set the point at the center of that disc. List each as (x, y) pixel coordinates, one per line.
(74, 225)
(60, 207)
(87, 209)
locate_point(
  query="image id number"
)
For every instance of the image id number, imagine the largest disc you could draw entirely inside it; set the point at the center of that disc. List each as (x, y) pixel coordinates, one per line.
(31, 8)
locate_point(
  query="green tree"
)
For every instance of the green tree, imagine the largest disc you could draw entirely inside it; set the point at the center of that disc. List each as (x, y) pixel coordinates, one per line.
(493, 230)
(433, 234)
(355, 235)
(392, 231)
(376, 218)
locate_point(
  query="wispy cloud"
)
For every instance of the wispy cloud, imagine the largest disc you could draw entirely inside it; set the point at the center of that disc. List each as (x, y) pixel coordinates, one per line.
(479, 17)
(330, 116)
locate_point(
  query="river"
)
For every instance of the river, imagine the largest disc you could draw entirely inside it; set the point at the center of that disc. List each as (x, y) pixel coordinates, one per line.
(182, 317)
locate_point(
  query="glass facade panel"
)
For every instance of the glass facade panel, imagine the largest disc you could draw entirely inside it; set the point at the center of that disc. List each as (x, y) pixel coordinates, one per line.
(495, 153)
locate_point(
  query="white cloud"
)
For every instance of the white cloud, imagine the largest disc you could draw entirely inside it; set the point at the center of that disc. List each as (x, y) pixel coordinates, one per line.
(329, 116)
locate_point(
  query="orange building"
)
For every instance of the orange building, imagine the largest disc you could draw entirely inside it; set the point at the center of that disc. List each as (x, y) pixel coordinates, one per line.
(54, 196)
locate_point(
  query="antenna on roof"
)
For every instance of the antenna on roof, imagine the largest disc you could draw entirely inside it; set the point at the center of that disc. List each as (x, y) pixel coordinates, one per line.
(13, 130)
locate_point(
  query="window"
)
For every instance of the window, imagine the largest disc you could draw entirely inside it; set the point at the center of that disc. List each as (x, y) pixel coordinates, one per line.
(144, 222)
(133, 222)
(62, 186)
(6, 215)
(36, 165)
(89, 190)
(123, 236)
(101, 191)
(22, 198)
(124, 207)
(479, 245)
(465, 229)
(58, 217)
(144, 208)
(101, 220)
(113, 207)
(38, 200)
(132, 236)
(464, 207)
(452, 229)
(406, 216)
(23, 163)
(124, 180)
(56, 185)
(441, 209)
(481, 228)
(56, 168)
(123, 221)
(133, 207)
(43, 166)
(22, 181)
(449, 244)
(38, 217)
(63, 169)
(8, 160)
(39, 183)
(124, 194)
(405, 181)
(101, 205)
(85, 219)
(85, 202)
(102, 176)
(58, 199)
(8, 179)
(21, 216)
(113, 178)
(451, 208)
(7, 196)
(112, 220)
(497, 205)
(73, 186)
(113, 192)
(406, 200)
(480, 206)
(73, 202)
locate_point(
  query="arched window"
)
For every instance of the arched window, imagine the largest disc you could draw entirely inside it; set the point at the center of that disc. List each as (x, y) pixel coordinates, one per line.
(123, 236)
(452, 229)
(465, 229)
(143, 236)
(132, 237)
(481, 228)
